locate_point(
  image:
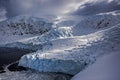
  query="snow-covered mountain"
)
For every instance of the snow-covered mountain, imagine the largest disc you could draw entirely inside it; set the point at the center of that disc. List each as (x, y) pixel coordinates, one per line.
(96, 22)
(64, 46)
(42, 41)
(56, 33)
(22, 27)
(99, 43)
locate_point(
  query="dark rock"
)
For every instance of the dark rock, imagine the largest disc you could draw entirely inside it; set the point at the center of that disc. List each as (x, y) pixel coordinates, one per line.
(2, 71)
(62, 77)
(1, 68)
(15, 67)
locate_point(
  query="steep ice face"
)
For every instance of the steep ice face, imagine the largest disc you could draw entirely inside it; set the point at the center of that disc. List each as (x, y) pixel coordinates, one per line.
(23, 26)
(75, 59)
(42, 41)
(96, 22)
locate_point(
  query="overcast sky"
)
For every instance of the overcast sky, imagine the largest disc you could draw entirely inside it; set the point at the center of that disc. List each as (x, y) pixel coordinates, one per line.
(11, 8)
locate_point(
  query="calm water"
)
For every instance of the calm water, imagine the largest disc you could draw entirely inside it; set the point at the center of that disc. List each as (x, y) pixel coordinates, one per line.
(9, 55)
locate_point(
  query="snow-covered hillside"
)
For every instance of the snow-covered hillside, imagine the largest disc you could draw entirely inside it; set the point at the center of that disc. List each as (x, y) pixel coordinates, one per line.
(99, 43)
(95, 23)
(43, 41)
(56, 33)
(33, 75)
(21, 27)
(106, 68)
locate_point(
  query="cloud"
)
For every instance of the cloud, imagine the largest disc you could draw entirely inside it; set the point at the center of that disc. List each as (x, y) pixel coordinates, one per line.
(3, 14)
(57, 7)
(96, 6)
(18, 7)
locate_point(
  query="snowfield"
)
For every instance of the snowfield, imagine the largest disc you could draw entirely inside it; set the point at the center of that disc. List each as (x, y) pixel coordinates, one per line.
(95, 23)
(33, 75)
(106, 68)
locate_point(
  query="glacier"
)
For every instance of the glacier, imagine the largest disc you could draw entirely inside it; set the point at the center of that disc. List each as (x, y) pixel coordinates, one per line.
(43, 41)
(73, 60)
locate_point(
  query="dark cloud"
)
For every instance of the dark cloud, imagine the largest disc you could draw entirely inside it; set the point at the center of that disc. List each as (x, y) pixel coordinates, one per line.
(18, 7)
(6, 4)
(57, 7)
(91, 8)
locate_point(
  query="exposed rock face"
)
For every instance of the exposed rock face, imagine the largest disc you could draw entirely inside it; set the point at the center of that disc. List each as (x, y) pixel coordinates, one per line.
(1, 70)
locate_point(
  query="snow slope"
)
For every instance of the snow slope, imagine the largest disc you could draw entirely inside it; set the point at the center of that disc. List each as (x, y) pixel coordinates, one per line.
(56, 33)
(96, 22)
(21, 27)
(33, 75)
(42, 41)
(105, 68)
(97, 44)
